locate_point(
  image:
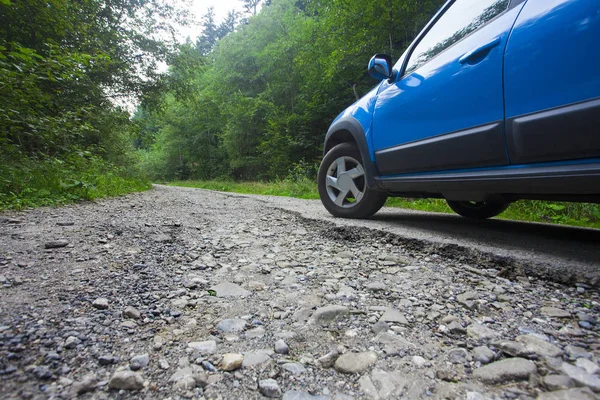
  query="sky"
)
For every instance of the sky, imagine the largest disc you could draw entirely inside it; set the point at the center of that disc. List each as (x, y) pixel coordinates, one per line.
(199, 8)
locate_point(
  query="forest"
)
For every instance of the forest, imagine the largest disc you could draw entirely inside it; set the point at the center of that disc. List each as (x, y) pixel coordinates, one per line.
(102, 97)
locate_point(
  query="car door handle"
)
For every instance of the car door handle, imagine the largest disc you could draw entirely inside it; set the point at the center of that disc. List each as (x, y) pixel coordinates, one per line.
(481, 49)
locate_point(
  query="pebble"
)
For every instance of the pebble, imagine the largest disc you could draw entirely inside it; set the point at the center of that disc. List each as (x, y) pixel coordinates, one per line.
(87, 384)
(558, 382)
(294, 368)
(231, 325)
(395, 316)
(132, 312)
(510, 369)
(351, 363)
(205, 348)
(329, 359)
(258, 357)
(230, 362)
(589, 366)
(139, 362)
(483, 354)
(419, 361)
(100, 303)
(281, 347)
(42, 372)
(554, 312)
(56, 244)
(376, 286)
(581, 376)
(534, 344)
(269, 388)
(71, 342)
(328, 314)
(126, 380)
(228, 289)
(456, 328)
(568, 394)
(481, 332)
(458, 356)
(300, 395)
(577, 352)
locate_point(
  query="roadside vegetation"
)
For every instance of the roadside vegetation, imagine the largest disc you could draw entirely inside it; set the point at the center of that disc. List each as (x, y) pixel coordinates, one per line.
(66, 71)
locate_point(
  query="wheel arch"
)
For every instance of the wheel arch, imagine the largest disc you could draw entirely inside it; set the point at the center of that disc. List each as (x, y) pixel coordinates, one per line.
(349, 130)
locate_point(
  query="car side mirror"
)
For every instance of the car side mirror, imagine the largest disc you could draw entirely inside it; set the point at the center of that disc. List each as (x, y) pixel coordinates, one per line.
(380, 67)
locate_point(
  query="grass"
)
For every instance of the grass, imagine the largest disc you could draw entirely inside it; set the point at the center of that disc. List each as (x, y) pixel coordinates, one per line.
(575, 214)
(30, 183)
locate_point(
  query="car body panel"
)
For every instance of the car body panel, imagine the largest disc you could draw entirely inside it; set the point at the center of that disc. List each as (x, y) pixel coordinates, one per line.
(447, 96)
(552, 82)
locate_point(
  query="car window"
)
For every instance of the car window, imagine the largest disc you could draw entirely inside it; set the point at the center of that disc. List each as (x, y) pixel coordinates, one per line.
(462, 18)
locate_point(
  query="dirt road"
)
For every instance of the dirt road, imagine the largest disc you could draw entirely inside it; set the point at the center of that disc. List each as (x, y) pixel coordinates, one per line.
(183, 293)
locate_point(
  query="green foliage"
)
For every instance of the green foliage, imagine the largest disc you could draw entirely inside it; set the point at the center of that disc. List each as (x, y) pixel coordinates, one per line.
(53, 181)
(63, 68)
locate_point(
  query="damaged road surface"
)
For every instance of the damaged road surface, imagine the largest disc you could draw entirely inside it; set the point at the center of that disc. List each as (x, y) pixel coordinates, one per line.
(184, 293)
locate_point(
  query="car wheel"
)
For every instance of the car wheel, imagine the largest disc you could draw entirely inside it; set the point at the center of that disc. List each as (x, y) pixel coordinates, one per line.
(343, 184)
(477, 209)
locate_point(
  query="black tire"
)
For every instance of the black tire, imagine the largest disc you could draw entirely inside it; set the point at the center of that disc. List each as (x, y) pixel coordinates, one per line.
(345, 193)
(477, 209)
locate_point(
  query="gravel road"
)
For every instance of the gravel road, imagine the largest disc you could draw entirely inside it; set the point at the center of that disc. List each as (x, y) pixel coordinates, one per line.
(184, 293)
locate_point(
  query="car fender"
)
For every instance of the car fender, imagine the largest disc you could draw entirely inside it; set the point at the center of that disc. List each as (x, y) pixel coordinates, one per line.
(349, 129)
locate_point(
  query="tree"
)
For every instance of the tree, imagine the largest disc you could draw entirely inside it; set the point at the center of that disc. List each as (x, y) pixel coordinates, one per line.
(251, 5)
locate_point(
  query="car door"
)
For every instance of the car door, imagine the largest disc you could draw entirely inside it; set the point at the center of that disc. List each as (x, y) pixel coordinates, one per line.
(552, 82)
(446, 111)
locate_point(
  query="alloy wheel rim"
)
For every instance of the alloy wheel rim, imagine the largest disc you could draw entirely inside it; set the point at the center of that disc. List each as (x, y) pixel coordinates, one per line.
(345, 182)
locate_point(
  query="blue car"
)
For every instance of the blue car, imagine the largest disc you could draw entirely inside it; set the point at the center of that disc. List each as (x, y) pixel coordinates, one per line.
(494, 101)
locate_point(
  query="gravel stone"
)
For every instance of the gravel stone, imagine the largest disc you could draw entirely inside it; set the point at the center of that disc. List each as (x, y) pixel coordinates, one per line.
(87, 384)
(228, 289)
(328, 314)
(568, 394)
(554, 312)
(510, 369)
(581, 376)
(56, 244)
(231, 325)
(458, 356)
(205, 348)
(42, 372)
(589, 366)
(351, 363)
(394, 316)
(481, 332)
(255, 358)
(558, 382)
(483, 354)
(231, 361)
(534, 344)
(281, 347)
(100, 303)
(294, 368)
(126, 380)
(139, 362)
(132, 312)
(300, 395)
(269, 388)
